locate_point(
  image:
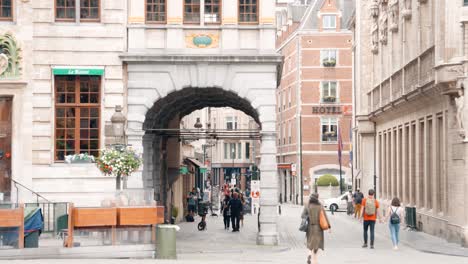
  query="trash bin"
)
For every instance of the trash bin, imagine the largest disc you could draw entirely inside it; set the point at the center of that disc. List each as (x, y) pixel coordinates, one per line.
(166, 241)
(33, 225)
(31, 239)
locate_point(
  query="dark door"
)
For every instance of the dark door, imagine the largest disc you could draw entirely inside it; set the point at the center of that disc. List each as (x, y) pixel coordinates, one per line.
(5, 147)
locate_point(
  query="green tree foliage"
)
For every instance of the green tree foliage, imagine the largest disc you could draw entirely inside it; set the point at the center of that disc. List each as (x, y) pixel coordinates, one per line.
(327, 180)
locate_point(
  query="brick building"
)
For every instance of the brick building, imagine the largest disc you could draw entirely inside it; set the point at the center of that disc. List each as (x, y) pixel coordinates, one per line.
(314, 100)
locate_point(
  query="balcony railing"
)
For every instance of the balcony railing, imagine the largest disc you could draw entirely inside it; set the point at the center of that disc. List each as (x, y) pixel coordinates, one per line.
(417, 73)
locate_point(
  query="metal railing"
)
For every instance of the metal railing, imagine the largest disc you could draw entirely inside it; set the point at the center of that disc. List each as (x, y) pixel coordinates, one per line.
(55, 216)
(25, 187)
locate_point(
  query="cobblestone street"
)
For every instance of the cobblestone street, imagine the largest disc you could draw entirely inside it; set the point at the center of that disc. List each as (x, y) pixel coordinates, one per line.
(343, 245)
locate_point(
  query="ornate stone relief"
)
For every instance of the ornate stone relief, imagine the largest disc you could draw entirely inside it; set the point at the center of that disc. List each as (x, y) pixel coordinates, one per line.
(374, 9)
(394, 15)
(375, 39)
(10, 56)
(460, 105)
(406, 12)
(383, 26)
(422, 1)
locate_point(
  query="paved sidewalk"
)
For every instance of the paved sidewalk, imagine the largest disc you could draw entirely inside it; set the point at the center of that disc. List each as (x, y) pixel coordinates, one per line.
(417, 240)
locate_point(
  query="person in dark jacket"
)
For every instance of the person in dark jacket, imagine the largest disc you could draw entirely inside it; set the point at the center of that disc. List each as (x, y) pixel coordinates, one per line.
(235, 205)
(226, 211)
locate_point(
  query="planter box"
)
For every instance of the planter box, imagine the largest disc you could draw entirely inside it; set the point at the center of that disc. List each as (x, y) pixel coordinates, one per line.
(91, 217)
(137, 216)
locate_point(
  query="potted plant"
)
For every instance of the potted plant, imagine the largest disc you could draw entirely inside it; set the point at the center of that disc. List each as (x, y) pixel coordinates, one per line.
(331, 62)
(118, 162)
(79, 158)
(329, 99)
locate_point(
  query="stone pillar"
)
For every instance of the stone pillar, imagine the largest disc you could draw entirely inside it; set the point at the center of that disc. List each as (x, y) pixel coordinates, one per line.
(367, 133)
(268, 234)
(418, 172)
(135, 140)
(388, 175)
(404, 164)
(392, 164)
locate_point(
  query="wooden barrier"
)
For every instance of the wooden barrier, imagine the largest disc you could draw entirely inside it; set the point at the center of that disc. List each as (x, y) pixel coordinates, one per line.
(90, 218)
(113, 217)
(14, 218)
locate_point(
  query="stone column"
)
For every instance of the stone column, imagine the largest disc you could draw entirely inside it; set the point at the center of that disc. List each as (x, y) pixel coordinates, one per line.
(419, 162)
(398, 164)
(392, 163)
(388, 165)
(268, 234)
(135, 140)
(434, 167)
(404, 165)
(367, 133)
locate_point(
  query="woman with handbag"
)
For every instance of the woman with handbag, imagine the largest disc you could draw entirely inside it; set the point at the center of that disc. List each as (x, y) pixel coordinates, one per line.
(316, 221)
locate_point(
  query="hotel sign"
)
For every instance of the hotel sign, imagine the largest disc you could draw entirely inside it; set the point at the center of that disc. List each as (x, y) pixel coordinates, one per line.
(78, 71)
(332, 110)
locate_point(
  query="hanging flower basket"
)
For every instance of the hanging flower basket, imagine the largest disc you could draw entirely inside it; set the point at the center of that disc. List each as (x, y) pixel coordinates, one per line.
(79, 158)
(118, 162)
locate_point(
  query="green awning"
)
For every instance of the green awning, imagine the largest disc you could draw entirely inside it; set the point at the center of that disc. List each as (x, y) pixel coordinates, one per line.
(183, 170)
(78, 71)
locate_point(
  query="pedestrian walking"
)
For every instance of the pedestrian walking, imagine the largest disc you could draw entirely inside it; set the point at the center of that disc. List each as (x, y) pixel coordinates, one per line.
(235, 205)
(313, 211)
(242, 199)
(369, 213)
(395, 217)
(350, 210)
(358, 196)
(226, 212)
(191, 201)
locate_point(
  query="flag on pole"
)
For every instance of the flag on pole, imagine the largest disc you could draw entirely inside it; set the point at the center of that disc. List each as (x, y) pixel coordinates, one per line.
(351, 141)
(340, 144)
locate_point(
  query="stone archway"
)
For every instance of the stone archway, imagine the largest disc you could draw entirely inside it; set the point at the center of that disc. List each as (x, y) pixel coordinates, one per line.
(162, 89)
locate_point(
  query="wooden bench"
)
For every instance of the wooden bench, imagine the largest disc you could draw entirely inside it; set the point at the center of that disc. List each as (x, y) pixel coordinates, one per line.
(14, 218)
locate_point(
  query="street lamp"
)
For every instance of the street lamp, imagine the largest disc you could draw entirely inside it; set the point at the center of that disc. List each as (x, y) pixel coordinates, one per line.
(118, 129)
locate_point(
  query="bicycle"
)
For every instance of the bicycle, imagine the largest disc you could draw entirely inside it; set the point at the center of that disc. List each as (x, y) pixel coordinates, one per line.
(202, 212)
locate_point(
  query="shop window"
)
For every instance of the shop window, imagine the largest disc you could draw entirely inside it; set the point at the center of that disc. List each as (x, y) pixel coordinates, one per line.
(65, 10)
(329, 22)
(213, 11)
(329, 126)
(192, 11)
(77, 115)
(248, 11)
(328, 58)
(329, 92)
(156, 11)
(239, 150)
(6, 10)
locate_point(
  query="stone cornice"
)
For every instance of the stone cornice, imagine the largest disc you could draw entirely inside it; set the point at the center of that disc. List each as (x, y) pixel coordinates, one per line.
(194, 58)
(12, 83)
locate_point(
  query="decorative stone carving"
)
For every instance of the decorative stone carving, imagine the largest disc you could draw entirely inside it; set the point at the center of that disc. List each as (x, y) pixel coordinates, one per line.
(460, 104)
(11, 55)
(375, 39)
(406, 12)
(383, 36)
(422, 1)
(394, 15)
(374, 8)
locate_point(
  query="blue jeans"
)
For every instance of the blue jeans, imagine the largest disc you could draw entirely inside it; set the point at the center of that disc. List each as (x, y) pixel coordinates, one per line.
(394, 232)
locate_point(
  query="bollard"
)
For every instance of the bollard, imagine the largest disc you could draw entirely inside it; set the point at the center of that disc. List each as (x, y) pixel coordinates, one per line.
(166, 241)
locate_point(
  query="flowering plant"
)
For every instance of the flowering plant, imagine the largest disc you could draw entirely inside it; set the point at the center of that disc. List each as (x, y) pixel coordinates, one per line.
(118, 162)
(79, 158)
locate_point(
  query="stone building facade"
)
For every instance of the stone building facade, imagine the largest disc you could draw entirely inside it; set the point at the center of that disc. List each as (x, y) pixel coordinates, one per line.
(160, 60)
(410, 70)
(314, 100)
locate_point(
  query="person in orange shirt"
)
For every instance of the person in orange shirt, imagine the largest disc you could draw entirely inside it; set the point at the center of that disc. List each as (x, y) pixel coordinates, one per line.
(370, 213)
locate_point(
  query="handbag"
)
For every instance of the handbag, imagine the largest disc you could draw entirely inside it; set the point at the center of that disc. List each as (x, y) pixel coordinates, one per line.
(324, 221)
(304, 225)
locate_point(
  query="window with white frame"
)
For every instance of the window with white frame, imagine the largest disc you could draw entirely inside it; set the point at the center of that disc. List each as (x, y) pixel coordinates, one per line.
(290, 132)
(329, 126)
(232, 150)
(289, 98)
(239, 150)
(329, 21)
(284, 134)
(247, 150)
(329, 91)
(284, 101)
(328, 58)
(226, 150)
(231, 122)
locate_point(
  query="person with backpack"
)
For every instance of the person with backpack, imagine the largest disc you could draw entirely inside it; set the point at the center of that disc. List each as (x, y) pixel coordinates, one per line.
(395, 217)
(357, 197)
(369, 213)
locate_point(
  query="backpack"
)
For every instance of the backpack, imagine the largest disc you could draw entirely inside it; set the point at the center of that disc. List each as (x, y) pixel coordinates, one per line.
(394, 217)
(189, 218)
(370, 207)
